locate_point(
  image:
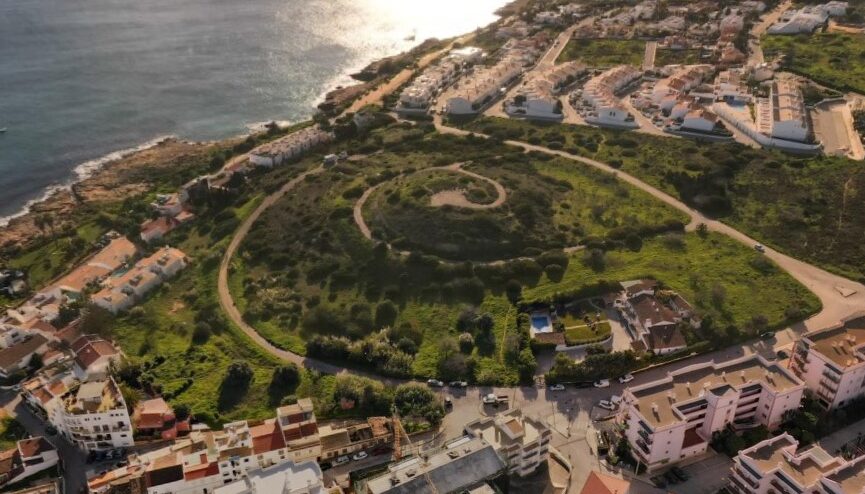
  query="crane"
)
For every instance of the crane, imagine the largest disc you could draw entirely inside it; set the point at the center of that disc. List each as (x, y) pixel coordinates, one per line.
(398, 431)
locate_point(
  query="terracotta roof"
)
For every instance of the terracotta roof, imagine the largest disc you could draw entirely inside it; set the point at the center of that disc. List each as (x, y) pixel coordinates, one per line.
(162, 225)
(115, 254)
(598, 483)
(89, 354)
(664, 337)
(83, 340)
(40, 325)
(201, 471)
(266, 437)
(379, 426)
(34, 446)
(648, 308)
(7, 460)
(10, 356)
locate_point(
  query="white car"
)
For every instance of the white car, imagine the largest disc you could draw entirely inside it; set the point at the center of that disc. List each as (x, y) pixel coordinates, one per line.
(606, 405)
(603, 383)
(435, 383)
(557, 387)
(361, 455)
(342, 460)
(626, 378)
(759, 248)
(490, 399)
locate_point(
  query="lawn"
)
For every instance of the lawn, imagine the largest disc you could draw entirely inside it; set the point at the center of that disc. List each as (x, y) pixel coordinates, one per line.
(666, 56)
(604, 52)
(807, 207)
(833, 59)
(578, 335)
(719, 276)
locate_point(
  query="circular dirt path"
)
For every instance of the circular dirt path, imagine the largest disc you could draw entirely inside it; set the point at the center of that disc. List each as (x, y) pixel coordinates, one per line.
(454, 198)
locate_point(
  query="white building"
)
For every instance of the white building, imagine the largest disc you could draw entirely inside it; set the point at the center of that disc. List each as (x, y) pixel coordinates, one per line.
(419, 94)
(28, 457)
(538, 97)
(122, 292)
(93, 357)
(289, 147)
(243, 453)
(701, 120)
(776, 465)
(808, 18)
(674, 418)
(523, 442)
(783, 115)
(600, 94)
(93, 416)
(12, 334)
(730, 85)
(831, 362)
(18, 356)
(680, 81)
(479, 88)
(285, 478)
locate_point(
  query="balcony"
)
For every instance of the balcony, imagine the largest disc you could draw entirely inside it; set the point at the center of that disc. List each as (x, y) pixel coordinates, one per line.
(647, 438)
(642, 446)
(738, 482)
(831, 376)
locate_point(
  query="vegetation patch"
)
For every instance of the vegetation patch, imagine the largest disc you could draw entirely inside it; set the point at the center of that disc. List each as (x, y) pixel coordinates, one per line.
(832, 59)
(604, 52)
(666, 56)
(808, 207)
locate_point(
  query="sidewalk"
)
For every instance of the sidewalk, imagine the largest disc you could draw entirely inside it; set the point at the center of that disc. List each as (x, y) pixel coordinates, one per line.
(834, 441)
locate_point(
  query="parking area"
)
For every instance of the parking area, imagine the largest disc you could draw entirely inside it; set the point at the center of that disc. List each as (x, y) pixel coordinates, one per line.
(833, 126)
(706, 475)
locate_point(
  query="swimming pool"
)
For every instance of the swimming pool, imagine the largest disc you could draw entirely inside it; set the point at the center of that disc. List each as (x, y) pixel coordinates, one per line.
(541, 323)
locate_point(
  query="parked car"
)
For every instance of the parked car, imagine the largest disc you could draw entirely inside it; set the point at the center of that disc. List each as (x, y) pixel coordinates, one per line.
(449, 403)
(680, 474)
(659, 481)
(325, 466)
(603, 383)
(458, 384)
(670, 478)
(759, 248)
(490, 399)
(342, 460)
(767, 335)
(360, 455)
(435, 383)
(606, 405)
(381, 450)
(782, 355)
(626, 378)
(557, 387)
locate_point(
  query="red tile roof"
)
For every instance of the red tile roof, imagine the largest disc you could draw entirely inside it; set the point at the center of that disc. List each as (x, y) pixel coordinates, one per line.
(266, 437)
(598, 483)
(34, 446)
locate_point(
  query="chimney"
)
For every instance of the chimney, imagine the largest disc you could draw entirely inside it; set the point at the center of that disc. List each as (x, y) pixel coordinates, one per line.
(654, 408)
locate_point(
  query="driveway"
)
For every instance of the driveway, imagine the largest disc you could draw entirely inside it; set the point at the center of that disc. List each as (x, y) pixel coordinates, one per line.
(833, 126)
(707, 476)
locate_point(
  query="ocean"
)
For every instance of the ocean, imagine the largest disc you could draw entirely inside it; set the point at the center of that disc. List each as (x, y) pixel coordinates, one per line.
(83, 80)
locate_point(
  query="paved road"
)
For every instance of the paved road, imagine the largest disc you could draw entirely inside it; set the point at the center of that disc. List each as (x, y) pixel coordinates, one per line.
(755, 57)
(74, 466)
(649, 57)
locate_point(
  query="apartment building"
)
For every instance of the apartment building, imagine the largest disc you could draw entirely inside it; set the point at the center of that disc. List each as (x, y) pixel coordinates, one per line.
(789, 118)
(480, 87)
(538, 97)
(93, 416)
(600, 94)
(206, 460)
(808, 18)
(285, 478)
(120, 293)
(339, 440)
(523, 442)
(418, 95)
(673, 418)
(28, 457)
(776, 465)
(288, 147)
(831, 362)
(461, 465)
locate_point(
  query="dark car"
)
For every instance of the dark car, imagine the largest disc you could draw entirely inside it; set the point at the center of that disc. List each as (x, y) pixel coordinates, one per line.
(659, 481)
(670, 477)
(767, 335)
(449, 403)
(782, 355)
(680, 474)
(381, 450)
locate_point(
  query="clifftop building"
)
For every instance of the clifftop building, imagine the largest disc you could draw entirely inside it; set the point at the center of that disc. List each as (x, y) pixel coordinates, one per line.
(523, 442)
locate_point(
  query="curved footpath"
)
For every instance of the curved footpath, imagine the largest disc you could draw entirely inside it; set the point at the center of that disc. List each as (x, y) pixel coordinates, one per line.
(227, 302)
(839, 296)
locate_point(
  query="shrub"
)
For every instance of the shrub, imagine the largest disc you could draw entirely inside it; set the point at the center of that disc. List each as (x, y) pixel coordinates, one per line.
(385, 313)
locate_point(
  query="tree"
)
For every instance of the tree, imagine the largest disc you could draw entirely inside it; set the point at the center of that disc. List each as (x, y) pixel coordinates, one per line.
(385, 314)
(595, 259)
(514, 291)
(181, 412)
(702, 230)
(417, 400)
(96, 320)
(286, 376)
(467, 342)
(234, 385)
